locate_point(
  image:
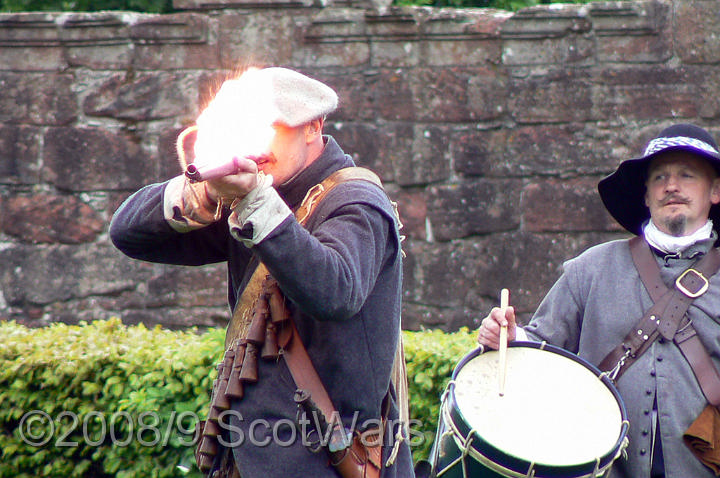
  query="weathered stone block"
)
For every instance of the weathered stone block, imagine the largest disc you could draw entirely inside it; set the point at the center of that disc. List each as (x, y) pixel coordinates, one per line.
(463, 23)
(564, 206)
(19, 147)
(95, 28)
(328, 55)
(637, 18)
(399, 54)
(462, 37)
(176, 318)
(265, 38)
(427, 160)
(698, 31)
(450, 319)
(30, 42)
(167, 155)
(176, 28)
(461, 52)
(373, 96)
(86, 159)
(334, 38)
(478, 152)
(43, 275)
(633, 32)
(204, 286)
(29, 29)
(51, 218)
(542, 22)
(458, 94)
(640, 49)
(184, 55)
(555, 96)
(37, 99)
(229, 4)
(540, 149)
(544, 36)
(396, 24)
(336, 26)
(412, 208)
(33, 59)
(482, 206)
(174, 41)
(382, 148)
(365, 143)
(143, 97)
(100, 57)
(433, 274)
(649, 93)
(448, 285)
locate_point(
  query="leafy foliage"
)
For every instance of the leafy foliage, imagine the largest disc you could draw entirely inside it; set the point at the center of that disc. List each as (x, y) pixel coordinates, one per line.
(148, 6)
(431, 357)
(118, 398)
(109, 400)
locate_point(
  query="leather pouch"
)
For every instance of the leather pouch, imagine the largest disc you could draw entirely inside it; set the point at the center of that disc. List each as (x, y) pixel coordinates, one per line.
(703, 438)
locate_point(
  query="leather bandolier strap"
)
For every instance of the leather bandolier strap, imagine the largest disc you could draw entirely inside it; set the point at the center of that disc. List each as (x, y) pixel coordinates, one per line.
(261, 325)
(667, 318)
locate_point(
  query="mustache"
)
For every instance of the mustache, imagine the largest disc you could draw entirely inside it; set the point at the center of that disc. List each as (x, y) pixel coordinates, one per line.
(674, 198)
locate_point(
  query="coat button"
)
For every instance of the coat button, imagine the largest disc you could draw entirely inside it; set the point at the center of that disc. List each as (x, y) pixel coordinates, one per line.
(646, 412)
(659, 359)
(643, 451)
(645, 433)
(652, 372)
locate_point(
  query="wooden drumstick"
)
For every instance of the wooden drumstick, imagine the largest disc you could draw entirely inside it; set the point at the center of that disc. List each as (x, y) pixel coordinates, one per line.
(502, 358)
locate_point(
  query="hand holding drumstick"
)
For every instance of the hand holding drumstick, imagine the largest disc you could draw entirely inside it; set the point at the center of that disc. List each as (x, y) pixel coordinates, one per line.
(490, 327)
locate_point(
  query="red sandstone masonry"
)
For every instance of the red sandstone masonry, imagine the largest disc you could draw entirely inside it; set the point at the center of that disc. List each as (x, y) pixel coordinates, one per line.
(489, 128)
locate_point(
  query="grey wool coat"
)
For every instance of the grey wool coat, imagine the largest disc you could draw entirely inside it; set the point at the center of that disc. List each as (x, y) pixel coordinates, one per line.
(342, 276)
(591, 308)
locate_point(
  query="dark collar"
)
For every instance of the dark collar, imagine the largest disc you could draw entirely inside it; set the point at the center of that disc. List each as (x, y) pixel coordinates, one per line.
(330, 160)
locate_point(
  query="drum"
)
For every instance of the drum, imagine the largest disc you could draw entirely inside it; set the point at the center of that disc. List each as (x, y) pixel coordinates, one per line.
(558, 417)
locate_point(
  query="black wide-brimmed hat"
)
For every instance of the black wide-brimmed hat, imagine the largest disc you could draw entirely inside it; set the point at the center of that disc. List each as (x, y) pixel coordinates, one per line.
(623, 192)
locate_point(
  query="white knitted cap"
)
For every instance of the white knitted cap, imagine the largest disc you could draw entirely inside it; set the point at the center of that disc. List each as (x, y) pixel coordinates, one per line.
(298, 98)
(286, 96)
(239, 118)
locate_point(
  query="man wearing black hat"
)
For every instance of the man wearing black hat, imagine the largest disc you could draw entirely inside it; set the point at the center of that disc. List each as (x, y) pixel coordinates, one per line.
(265, 188)
(669, 198)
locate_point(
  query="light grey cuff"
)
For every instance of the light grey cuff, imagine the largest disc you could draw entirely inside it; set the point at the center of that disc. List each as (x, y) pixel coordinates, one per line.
(256, 215)
(186, 206)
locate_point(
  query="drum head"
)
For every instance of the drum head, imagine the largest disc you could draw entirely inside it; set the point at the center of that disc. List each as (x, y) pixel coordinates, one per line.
(556, 410)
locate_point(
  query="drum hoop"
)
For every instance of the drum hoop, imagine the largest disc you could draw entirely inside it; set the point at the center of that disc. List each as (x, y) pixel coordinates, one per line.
(463, 443)
(602, 463)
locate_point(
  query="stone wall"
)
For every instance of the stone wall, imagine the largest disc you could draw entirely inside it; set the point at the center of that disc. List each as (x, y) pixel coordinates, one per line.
(490, 130)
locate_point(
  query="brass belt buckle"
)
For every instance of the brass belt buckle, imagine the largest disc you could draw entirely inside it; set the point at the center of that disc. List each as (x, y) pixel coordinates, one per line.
(685, 290)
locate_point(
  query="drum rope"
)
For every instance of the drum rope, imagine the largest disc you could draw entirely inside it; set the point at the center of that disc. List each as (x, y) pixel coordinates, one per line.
(464, 444)
(448, 427)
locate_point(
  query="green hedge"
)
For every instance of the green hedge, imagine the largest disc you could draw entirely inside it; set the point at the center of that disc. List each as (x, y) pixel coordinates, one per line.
(109, 400)
(147, 6)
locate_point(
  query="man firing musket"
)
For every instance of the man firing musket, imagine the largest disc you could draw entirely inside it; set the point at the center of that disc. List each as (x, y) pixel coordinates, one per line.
(314, 259)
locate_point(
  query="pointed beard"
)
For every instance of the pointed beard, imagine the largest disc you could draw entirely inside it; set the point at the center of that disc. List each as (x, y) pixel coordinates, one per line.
(676, 225)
